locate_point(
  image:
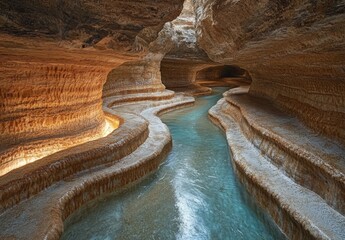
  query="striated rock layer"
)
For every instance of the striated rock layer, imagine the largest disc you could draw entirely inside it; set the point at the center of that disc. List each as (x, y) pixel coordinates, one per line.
(55, 57)
(137, 76)
(63, 182)
(180, 75)
(44, 104)
(293, 50)
(185, 58)
(283, 163)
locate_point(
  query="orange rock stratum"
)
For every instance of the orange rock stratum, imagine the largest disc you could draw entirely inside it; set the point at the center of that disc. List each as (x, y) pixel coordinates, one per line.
(82, 83)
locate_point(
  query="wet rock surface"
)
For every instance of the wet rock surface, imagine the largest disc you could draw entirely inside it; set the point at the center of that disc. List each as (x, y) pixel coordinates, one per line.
(65, 65)
(283, 164)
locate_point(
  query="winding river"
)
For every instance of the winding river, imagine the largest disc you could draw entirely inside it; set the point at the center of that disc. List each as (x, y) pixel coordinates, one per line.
(194, 195)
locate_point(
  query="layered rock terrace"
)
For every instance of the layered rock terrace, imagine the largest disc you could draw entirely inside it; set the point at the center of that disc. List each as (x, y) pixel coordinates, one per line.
(82, 83)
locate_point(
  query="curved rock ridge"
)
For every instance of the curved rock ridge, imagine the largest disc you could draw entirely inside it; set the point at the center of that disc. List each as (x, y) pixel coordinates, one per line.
(43, 105)
(134, 77)
(142, 75)
(293, 50)
(312, 161)
(27, 181)
(177, 40)
(177, 46)
(58, 59)
(267, 155)
(134, 97)
(55, 58)
(180, 75)
(127, 155)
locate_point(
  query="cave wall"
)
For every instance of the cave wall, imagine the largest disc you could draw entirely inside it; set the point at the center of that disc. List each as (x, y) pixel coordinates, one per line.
(171, 61)
(143, 75)
(177, 73)
(293, 50)
(132, 77)
(55, 58)
(45, 104)
(185, 58)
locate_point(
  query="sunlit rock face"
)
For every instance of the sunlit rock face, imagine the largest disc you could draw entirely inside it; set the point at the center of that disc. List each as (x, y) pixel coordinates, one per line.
(293, 50)
(55, 58)
(184, 36)
(43, 105)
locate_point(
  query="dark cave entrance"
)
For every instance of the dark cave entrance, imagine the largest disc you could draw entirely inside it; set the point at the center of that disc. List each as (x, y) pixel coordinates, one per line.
(225, 75)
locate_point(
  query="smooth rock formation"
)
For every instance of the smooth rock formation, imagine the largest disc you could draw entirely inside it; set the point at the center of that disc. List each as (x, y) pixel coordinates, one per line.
(294, 53)
(180, 75)
(137, 76)
(293, 50)
(142, 75)
(81, 83)
(46, 108)
(60, 185)
(283, 163)
(55, 57)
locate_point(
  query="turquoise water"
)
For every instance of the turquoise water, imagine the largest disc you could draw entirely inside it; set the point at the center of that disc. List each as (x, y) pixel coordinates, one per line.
(194, 195)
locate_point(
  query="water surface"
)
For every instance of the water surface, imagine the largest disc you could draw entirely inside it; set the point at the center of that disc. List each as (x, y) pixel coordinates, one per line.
(194, 195)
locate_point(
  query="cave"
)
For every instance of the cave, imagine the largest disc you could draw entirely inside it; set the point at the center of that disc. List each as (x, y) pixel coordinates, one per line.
(223, 76)
(180, 119)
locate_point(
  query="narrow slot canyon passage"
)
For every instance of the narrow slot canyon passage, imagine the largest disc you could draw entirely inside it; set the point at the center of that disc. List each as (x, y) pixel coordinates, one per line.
(194, 194)
(179, 119)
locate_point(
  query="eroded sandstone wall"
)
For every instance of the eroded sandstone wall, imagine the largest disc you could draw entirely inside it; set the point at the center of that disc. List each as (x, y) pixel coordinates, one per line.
(142, 75)
(55, 57)
(185, 58)
(43, 105)
(293, 50)
(178, 73)
(176, 45)
(135, 76)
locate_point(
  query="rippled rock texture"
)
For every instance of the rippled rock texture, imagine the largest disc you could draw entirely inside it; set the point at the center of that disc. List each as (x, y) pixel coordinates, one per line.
(180, 75)
(172, 59)
(293, 50)
(85, 23)
(59, 58)
(55, 58)
(135, 76)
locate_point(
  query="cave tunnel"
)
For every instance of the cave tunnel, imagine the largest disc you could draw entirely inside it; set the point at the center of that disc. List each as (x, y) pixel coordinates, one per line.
(225, 75)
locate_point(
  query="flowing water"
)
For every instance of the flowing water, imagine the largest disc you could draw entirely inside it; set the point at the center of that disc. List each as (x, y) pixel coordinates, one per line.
(194, 195)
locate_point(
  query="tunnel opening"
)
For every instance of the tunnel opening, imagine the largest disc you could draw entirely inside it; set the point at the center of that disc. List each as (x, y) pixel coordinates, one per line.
(231, 71)
(225, 76)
